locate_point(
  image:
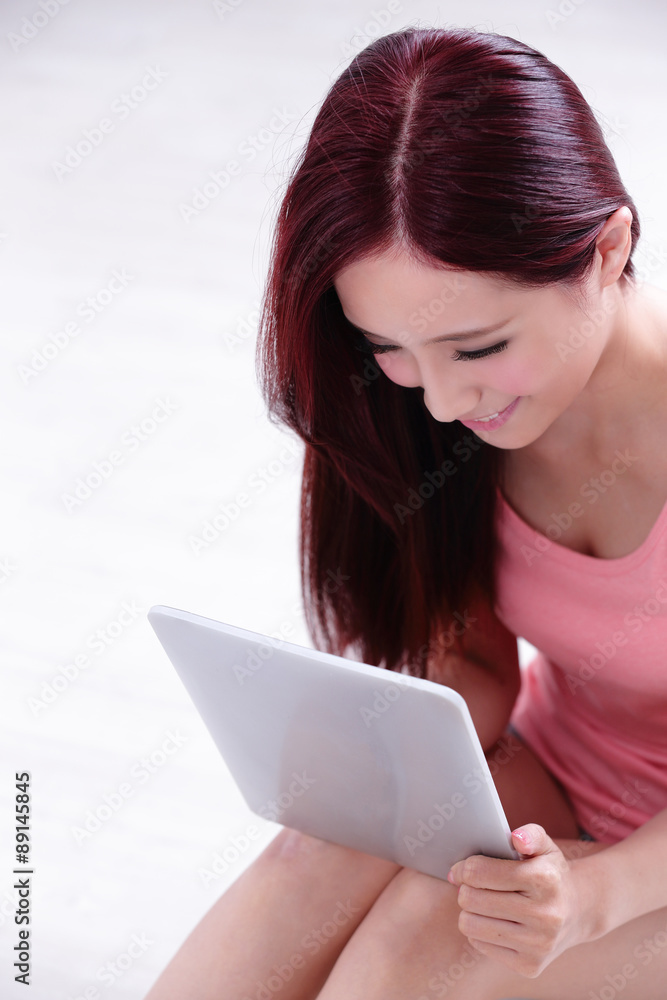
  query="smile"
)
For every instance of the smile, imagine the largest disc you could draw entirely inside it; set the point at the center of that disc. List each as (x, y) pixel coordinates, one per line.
(493, 420)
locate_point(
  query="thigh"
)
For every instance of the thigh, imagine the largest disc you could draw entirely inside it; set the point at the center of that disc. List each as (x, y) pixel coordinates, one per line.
(280, 925)
(630, 961)
(528, 791)
(410, 945)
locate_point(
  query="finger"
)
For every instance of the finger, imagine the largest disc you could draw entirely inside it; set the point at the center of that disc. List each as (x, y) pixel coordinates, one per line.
(532, 840)
(496, 904)
(508, 956)
(481, 872)
(504, 933)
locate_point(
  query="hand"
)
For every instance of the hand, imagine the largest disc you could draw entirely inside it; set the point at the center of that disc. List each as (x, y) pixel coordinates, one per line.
(523, 913)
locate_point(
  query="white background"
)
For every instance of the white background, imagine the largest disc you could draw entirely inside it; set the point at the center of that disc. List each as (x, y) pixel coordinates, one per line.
(182, 331)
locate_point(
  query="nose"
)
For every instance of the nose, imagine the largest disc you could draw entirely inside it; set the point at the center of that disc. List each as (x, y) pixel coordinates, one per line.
(446, 401)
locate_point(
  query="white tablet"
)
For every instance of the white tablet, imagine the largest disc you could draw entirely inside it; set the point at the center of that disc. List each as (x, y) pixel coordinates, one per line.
(383, 762)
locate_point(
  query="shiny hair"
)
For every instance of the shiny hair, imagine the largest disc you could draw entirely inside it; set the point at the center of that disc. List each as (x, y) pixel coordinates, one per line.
(468, 150)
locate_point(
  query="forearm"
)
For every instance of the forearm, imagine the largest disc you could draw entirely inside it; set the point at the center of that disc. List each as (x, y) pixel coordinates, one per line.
(489, 698)
(627, 879)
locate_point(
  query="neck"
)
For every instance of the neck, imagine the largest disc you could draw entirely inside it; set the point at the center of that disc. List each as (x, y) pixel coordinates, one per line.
(626, 390)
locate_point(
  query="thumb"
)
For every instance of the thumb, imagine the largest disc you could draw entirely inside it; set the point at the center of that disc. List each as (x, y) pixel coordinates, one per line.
(532, 840)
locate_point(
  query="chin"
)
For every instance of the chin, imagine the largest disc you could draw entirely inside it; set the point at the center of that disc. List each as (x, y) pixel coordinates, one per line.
(511, 441)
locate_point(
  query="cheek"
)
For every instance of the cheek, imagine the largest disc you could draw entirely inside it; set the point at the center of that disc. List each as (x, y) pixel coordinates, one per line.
(526, 377)
(399, 370)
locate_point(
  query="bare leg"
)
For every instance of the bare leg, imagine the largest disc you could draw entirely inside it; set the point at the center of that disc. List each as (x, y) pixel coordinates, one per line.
(299, 903)
(287, 916)
(409, 947)
(528, 791)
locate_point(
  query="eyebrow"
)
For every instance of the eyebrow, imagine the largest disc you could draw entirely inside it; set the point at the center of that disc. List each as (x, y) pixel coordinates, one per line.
(469, 335)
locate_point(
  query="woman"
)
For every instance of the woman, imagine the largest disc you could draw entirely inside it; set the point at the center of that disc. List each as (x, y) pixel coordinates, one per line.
(452, 324)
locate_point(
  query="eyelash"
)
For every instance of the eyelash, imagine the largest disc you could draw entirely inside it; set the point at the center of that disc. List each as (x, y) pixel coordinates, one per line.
(369, 348)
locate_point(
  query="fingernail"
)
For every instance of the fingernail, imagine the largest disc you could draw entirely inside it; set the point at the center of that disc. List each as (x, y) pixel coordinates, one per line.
(520, 835)
(450, 878)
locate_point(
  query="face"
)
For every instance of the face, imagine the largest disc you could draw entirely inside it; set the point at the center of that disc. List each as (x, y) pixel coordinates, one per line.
(524, 361)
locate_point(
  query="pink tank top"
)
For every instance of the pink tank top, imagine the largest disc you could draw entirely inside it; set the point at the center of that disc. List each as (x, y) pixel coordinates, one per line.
(593, 701)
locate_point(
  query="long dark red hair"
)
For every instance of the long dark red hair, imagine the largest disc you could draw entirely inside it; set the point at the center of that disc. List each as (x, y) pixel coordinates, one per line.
(466, 149)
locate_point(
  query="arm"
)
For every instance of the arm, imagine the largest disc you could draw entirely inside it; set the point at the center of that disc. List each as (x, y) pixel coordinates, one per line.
(489, 697)
(487, 676)
(544, 903)
(626, 879)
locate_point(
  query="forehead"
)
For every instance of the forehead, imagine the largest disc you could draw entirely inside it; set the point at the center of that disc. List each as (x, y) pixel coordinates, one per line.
(383, 294)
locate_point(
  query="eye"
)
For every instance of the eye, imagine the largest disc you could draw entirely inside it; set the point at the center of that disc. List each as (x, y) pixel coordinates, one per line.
(471, 355)
(366, 347)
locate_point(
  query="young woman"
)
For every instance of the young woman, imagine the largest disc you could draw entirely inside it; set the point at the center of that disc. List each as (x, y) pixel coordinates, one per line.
(453, 325)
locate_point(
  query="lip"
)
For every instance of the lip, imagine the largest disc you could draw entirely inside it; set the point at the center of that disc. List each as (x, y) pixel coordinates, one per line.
(492, 425)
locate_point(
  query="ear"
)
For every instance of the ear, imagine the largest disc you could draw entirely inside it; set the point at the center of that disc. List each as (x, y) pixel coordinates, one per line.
(613, 244)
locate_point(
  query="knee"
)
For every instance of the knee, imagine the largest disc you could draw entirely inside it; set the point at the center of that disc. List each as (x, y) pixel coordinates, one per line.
(414, 900)
(419, 914)
(293, 845)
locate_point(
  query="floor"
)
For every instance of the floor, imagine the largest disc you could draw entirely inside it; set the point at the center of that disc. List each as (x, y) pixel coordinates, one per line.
(131, 278)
